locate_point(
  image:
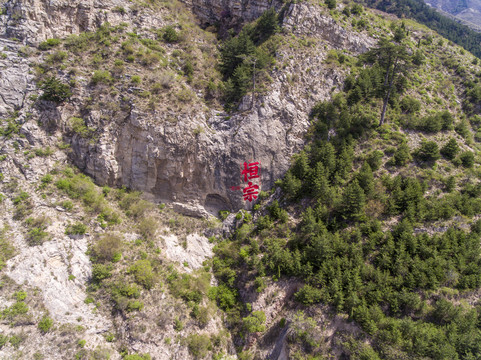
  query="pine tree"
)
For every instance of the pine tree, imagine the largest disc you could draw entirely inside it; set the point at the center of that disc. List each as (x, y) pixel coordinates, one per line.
(291, 185)
(365, 178)
(301, 165)
(402, 155)
(428, 151)
(319, 184)
(450, 150)
(353, 200)
(393, 58)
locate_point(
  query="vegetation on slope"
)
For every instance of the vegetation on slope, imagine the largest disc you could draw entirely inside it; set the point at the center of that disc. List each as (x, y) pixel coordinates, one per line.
(388, 232)
(419, 11)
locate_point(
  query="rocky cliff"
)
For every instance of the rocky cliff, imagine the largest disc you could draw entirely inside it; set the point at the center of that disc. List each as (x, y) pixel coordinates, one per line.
(195, 159)
(229, 13)
(173, 142)
(96, 271)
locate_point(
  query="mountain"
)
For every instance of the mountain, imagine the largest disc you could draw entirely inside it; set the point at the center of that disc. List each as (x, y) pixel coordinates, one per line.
(135, 133)
(467, 11)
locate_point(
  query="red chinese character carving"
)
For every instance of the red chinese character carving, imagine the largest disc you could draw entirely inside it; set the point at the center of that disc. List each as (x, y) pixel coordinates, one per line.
(250, 192)
(250, 171)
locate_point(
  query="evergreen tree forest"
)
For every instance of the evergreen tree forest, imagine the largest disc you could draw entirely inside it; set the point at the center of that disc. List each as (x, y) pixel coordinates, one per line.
(378, 236)
(247, 56)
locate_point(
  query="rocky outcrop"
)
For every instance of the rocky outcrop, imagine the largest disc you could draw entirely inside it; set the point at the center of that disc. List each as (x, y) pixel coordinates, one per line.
(303, 19)
(34, 21)
(191, 253)
(195, 160)
(230, 13)
(15, 79)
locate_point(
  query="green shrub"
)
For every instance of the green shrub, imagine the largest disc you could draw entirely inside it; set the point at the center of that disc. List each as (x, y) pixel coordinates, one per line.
(67, 205)
(462, 128)
(401, 155)
(225, 296)
(17, 339)
(45, 324)
(119, 9)
(100, 272)
(3, 340)
(303, 329)
(428, 151)
(36, 236)
(450, 150)
(18, 308)
(201, 314)
(107, 247)
(266, 26)
(57, 57)
(255, 322)
(467, 159)
(356, 9)
(127, 290)
(135, 305)
(142, 271)
(137, 357)
(178, 325)
(54, 90)
(79, 43)
(101, 77)
(150, 58)
(46, 179)
(20, 295)
(148, 227)
(79, 127)
(136, 79)
(410, 105)
(374, 159)
(450, 184)
(76, 229)
(43, 152)
(48, 44)
(169, 34)
(331, 4)
(308, 295)
(223, 214)
(199, 345)
(7, 251)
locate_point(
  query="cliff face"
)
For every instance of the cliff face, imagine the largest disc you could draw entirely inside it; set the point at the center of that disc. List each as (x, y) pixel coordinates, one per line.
(194, 158)
(230, 13)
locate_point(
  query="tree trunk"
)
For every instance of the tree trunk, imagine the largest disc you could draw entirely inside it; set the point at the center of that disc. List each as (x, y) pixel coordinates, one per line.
(384, 107)
(386, 98)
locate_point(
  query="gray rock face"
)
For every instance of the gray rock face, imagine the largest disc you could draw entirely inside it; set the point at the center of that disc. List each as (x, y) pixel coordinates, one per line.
(174, 161)
(47, 267)
(15, 80)
(230, 13)
(34, 21)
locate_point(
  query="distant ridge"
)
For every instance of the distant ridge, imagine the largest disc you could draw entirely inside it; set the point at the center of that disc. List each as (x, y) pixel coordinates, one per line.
(447, 26)
(467, 14)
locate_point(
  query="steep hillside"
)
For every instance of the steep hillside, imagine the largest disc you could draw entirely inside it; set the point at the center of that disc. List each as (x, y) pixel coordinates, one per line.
(370, 248)
(468, 11)
(143, 94)
(364, 245)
